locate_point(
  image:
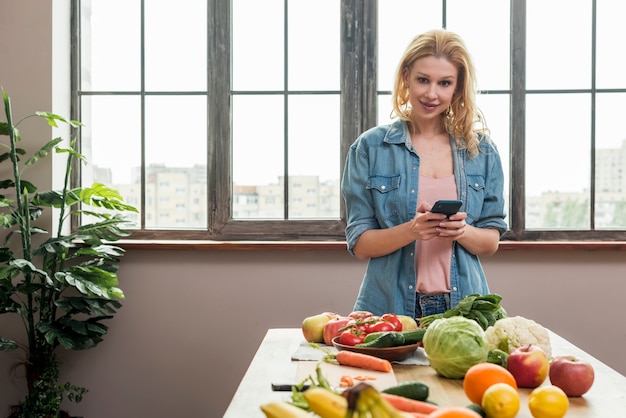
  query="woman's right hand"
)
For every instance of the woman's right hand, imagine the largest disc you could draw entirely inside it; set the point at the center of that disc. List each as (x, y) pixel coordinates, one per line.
(424, 224)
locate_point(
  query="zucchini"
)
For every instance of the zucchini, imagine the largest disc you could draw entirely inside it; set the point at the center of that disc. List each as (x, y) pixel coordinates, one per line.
(385, 340)
(412, 390)
(413, 336)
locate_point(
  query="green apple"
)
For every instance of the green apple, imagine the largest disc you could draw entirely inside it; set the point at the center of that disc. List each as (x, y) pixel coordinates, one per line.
(313, 326)
(408, 323)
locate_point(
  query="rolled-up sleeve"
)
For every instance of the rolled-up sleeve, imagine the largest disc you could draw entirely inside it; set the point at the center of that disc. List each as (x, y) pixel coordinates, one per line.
(359, 205)
(493, 211)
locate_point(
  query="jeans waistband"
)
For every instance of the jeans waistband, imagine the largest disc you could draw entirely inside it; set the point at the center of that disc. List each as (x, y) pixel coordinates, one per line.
(426, 305)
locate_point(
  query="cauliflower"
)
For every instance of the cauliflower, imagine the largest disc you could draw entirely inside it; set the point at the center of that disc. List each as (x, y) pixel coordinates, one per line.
(507, 334)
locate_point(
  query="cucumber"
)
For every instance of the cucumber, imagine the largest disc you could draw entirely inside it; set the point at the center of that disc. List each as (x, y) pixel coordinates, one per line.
(413, 336)
(412, 390)
(372, 336)
(477, 408)
(387, 339)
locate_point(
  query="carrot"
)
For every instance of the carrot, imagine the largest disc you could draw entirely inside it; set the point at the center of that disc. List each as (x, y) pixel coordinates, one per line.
(346, 381)
(364, 361)
(409, 405)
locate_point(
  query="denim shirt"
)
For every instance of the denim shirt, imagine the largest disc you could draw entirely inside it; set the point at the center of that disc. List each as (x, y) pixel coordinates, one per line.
(379, 185)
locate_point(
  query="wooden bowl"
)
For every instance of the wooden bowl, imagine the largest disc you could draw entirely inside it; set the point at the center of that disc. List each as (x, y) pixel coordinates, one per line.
(399, 353)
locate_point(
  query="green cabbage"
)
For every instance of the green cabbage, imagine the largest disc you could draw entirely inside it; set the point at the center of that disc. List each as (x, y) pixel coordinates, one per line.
(455, 344)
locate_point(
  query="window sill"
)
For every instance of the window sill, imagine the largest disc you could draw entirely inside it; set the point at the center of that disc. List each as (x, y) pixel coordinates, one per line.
(341, 245)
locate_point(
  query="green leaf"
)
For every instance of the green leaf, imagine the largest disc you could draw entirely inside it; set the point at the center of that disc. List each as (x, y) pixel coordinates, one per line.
(5, 184)
(7, 345)
(28, 186)
(27, 267)
(88, 306)
(4, 128)
(91, 281)
(6, 220)
(54, 198)
(107, 230)
(43, 151)
(101, 250)
(74, 334)
(52, 118)
(99, 195)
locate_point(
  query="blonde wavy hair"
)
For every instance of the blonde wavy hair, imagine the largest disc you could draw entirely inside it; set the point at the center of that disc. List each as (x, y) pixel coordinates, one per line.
(463, 120)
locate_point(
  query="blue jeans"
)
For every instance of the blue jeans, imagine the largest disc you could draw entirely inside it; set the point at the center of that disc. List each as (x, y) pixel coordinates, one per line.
(426, 305)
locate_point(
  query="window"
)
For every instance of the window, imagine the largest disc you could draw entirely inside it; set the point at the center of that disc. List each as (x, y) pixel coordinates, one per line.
(252, 117)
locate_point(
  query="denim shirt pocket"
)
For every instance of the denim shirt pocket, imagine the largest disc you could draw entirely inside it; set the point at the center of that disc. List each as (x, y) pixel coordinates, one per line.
(384, 191)
(475, 196)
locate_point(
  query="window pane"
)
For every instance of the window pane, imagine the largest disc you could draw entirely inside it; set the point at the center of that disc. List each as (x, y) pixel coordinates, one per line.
(110, 45)
(384, 109)
(495, 108)
(314, 163)
(258, 155)
(489, 44)
(258, 45)
(399, 22)
(176, 161)
(112, 145)
(558, 37)
(610, 161)
(314, 60)
(176, 45)
(610, 36)
(558, 161)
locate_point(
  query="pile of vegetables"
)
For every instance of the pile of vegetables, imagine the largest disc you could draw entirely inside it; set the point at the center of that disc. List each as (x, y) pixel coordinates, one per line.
(355, 331)
(477, 330)
(484, 309)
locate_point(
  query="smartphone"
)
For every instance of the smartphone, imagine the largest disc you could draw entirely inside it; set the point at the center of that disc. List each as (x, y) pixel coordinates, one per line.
(447, 207)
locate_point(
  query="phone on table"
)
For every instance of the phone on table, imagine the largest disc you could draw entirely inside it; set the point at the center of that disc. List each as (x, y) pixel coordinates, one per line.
(447, 207)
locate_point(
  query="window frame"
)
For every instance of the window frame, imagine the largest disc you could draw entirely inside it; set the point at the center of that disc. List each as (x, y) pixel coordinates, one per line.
(358, 104)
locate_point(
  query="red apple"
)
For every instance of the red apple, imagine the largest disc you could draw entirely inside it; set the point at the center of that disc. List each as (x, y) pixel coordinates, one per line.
(360, 314)
(332, 327)
(572, 374)
(313, 326)
(529, 366)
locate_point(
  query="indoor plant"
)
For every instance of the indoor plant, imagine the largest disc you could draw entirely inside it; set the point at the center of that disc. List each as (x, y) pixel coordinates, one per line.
(63, 285)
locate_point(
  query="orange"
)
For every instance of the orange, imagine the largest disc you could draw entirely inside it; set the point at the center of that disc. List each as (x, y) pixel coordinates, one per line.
(501, 401)
(548, 402)
(482, 375)
(454, 412)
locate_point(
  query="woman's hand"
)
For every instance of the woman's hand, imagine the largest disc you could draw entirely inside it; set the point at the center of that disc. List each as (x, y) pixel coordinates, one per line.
(478, 241)
(427, 225)
(453, 228)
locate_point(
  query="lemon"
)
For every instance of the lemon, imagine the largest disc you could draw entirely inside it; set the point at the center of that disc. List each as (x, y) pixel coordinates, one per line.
(548, 402)
(500, 400)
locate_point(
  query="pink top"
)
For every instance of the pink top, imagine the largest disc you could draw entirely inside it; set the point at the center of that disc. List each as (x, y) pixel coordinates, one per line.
(433, 257)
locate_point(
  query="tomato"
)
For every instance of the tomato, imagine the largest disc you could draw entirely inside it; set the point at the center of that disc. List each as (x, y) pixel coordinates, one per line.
(380, 326)
(357, 324)
(393, 320)
(351, 338)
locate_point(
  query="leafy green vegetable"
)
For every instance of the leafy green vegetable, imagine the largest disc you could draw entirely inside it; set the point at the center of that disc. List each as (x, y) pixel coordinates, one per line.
(455, 344)
(484, 309)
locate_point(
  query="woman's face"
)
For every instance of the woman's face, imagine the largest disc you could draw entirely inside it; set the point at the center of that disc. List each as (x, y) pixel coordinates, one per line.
(432, 82)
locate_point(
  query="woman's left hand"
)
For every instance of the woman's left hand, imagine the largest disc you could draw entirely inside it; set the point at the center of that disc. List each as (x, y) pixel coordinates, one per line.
(453, 228)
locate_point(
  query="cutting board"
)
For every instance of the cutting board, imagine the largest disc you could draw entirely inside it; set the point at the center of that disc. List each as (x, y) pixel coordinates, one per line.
(334, 372)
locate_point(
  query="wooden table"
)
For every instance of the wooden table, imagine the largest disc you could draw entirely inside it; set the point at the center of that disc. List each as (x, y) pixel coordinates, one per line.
(272, 364)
